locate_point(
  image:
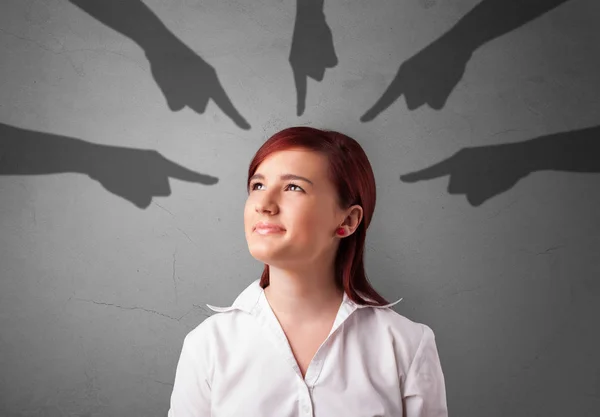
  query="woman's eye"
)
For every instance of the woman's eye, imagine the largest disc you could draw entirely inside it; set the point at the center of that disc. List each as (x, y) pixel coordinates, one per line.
(297, 186)
(291, 187)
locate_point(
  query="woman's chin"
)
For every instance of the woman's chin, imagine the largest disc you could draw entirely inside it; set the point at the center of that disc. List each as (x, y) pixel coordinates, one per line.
(262, 254)
(267, 255)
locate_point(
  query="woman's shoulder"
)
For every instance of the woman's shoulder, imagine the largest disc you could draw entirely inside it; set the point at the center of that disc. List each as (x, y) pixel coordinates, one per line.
(402, 328)
(220, 325)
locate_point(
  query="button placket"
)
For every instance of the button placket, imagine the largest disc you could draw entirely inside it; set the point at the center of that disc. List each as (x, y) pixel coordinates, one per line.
(305, 401)
(314, 369)
(306, 408)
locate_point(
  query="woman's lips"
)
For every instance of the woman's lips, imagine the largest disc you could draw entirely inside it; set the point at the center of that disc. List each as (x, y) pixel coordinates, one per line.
(267, 230)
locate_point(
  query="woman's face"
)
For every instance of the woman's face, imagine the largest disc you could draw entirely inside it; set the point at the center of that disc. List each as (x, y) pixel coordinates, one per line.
(291, 190)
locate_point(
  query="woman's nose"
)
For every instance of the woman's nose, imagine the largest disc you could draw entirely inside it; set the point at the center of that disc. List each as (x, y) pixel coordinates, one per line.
(267, 207)
(266, 204)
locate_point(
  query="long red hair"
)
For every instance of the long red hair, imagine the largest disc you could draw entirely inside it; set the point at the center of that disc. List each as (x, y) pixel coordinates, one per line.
(352, 175)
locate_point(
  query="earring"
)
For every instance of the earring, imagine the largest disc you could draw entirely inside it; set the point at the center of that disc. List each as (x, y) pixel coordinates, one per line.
(340, 231)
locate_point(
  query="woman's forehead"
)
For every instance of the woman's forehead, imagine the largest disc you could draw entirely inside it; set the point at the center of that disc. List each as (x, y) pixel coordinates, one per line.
(306, 161)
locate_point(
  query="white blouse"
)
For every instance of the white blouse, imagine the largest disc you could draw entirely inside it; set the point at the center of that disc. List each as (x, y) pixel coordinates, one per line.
(374, 363)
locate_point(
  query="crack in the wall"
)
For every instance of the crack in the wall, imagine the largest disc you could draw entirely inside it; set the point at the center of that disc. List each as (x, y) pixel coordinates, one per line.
(33, 41)
(170, 384)
(203, 311)
(502, 209)
(131, 308)
(550, 249)
(186, 235)
(174, 281)
(154, 202)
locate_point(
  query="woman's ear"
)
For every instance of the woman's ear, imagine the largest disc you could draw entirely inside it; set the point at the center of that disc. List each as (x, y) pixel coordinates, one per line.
(353, 218)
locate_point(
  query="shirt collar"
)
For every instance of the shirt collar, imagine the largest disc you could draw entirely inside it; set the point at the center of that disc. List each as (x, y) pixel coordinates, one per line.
(248, 300)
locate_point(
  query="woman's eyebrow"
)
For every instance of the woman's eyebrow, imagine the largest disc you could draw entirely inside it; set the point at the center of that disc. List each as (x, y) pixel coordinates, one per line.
(283, 177)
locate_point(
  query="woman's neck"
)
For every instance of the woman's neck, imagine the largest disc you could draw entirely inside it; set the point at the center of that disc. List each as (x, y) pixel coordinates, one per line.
(302, 296)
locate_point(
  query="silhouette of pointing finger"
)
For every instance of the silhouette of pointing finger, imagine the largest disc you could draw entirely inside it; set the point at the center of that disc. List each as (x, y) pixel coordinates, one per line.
(183, 77)
(186, 79)
(136, 175)
(312, 50)
(390, 95)
(300, 82)
(223, 101)
(438, 170)
(430, 75)
(176, 171)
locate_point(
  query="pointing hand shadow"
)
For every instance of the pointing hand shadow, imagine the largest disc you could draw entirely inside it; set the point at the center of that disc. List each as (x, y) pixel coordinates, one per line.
(478, 173)
(430, 76)
(481, 173)
(312, 49)
(139, 174)
(136, 175)
(427, 78)
(184, 78)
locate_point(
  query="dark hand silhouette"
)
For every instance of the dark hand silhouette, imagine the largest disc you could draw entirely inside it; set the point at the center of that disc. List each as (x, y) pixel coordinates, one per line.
(184, 78)
(139, 174)
(430, 75)
(427, 78)
(312, 49)
(483, 172)
(479, 173)
(136, 175)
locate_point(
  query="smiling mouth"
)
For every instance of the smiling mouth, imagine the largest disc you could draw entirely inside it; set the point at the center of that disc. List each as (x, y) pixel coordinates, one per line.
(269, 230)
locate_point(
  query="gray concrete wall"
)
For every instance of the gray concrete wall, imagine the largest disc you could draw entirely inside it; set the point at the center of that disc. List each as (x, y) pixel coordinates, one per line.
(126, 129)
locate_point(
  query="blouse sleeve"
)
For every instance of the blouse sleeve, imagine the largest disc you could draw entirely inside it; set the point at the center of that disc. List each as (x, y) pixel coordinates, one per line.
(424, 388)
(191, 389)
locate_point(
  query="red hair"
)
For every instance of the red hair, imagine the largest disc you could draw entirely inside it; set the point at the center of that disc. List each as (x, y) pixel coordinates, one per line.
(352, 175)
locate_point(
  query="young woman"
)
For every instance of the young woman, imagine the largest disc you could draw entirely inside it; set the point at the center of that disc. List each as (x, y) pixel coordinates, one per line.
(311, 337)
